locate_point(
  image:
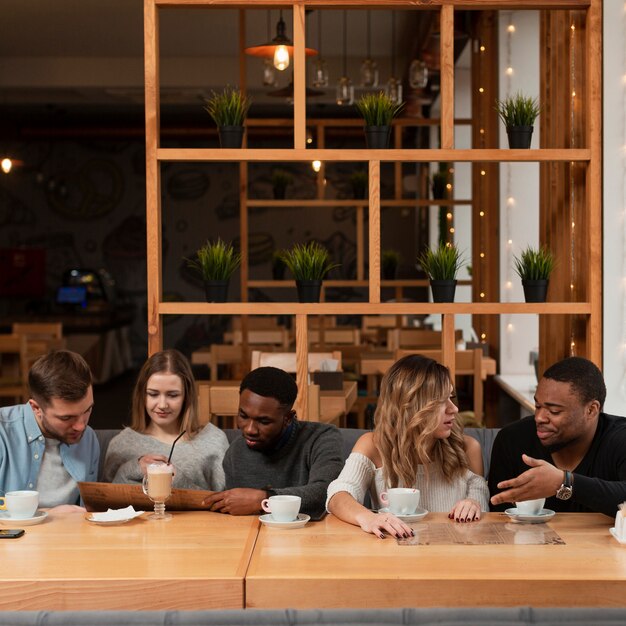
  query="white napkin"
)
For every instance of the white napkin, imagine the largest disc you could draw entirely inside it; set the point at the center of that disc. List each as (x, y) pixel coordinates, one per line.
(116, 515)
(329, 365)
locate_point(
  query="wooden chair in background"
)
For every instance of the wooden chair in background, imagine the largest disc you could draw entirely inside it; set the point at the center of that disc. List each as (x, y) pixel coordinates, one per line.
(218, 404)
(13, 368)
(337, 336)
(467, 363)
(374, 327)
(287, 360)
(39, 330)
(270, 336)
(412, 338)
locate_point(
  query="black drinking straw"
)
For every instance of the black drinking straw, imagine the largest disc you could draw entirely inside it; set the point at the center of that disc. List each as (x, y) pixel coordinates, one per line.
(169, 458)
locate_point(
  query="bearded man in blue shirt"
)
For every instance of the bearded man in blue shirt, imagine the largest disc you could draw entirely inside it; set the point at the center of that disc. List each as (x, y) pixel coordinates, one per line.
(46, 444)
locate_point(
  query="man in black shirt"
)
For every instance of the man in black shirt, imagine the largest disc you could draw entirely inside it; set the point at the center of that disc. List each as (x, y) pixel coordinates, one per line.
(571, 452)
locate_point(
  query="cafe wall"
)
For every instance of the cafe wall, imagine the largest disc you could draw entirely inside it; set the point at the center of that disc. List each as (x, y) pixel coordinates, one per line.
(83, 202)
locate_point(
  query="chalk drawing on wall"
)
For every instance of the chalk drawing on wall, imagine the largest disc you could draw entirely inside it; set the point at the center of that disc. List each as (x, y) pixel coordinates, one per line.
(92, 190)
(188, 184)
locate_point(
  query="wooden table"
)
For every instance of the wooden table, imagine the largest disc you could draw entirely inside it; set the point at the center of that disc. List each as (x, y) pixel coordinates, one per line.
(521, 387)
(196, 561)
(333, 564)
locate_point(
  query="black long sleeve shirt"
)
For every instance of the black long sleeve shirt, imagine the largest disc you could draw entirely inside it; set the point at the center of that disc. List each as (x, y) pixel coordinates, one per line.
(599, 479)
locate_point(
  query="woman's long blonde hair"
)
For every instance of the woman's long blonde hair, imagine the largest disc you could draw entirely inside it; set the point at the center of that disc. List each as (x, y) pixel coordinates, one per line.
(166, 362)
(407, 416)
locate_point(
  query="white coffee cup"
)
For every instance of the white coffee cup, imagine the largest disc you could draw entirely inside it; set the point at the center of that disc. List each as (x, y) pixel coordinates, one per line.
(20, 504)
(530, 507)
(401, 500)
(282, 508)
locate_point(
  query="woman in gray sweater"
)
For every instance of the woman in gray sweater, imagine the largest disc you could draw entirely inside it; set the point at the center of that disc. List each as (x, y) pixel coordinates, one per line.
(164, 405)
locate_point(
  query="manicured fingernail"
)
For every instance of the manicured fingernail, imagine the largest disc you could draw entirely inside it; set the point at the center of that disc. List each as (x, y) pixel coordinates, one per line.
(412, 533)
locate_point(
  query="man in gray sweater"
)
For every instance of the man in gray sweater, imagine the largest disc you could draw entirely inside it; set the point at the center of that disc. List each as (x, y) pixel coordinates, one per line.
(276, 454)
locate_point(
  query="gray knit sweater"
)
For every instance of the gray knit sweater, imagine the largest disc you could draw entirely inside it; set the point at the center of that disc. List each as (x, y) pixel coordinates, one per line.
(198, 461)
(304, 466)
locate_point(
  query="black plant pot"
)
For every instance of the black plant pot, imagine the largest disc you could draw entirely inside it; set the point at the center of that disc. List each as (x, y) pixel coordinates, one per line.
(535, 290)
(519, 136)
(389, 271)
(216, 290)
(309, 290)
(443, 290)
(377, 137)
(230, 136)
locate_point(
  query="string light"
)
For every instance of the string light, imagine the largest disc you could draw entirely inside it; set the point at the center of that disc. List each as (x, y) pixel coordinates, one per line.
(316, 165)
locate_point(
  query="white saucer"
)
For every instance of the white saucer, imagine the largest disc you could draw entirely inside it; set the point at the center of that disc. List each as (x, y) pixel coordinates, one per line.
(268, 520)
(113, 522)
(531, 518)
(616, 536)
(39, 517)
(414, 517)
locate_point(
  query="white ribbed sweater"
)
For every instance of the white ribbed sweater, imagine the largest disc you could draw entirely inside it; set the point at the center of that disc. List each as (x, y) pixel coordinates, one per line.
(359, 475)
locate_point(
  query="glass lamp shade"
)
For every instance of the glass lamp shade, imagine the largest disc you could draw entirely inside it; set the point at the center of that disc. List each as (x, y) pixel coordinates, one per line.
(369, 73)
(269, 73)
(418, 74)
(393, 89)
(320, 76)
(281, 58)
(345, 91)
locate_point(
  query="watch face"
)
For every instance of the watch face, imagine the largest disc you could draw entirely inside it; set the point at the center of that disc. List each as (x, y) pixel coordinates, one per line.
(564, 493)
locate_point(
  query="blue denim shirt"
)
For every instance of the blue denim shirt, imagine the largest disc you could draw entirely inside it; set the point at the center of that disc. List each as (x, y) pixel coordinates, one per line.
(22, 446)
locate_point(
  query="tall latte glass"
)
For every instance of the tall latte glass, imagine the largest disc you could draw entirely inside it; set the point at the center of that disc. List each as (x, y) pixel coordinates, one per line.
(157, 485)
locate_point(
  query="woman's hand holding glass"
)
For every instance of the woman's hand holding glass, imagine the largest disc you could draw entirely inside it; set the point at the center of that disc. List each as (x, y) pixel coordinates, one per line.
(380, 523)
(467, 510)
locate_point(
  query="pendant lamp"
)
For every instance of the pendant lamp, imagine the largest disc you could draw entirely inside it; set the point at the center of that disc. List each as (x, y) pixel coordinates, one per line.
(345, 88)
(369, 67)
(394, 85)
(320, 74)
(280, 49)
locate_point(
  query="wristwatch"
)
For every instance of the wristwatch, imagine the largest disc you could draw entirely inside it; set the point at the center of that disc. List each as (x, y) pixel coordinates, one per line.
(564, 492)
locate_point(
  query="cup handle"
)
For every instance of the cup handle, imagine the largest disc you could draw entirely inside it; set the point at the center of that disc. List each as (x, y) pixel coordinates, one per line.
(3, 506)
(144, 484)
(383, 497)
(265, 505)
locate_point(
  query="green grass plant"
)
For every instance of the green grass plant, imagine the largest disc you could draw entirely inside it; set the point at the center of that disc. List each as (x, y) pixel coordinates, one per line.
(310, 261)
(441, 263)
(518, 110)
(377, 109)
(215, 260)
(228, 107)
(534, 263)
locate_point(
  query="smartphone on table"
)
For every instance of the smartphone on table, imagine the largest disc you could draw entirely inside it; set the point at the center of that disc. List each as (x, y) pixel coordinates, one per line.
(11, 533)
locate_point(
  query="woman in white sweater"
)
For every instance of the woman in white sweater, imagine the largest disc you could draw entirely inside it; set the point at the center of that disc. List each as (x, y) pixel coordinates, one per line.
(164, 405)
(417, 442)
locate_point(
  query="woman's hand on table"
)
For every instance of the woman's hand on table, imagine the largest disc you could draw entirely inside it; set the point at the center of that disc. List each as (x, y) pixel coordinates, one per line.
(67, 508)
(466, 510)
(380, 523)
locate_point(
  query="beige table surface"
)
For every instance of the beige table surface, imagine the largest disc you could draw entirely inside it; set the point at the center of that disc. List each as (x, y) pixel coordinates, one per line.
(333, 564)
(196, 561)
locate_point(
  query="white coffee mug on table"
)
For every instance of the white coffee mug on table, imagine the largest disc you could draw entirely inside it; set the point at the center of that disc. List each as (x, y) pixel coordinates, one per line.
(401, 500)
(530, 507)
(20, 504)
(282, 508)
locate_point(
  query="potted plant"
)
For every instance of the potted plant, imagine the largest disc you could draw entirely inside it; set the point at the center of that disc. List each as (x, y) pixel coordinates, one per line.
(215, 261)
(389, 260)
(280, 181)
(534, 266)
(229, 109)
(442, 265)
(518, 113)
(309, 263)
(359, 182)
(378, 111)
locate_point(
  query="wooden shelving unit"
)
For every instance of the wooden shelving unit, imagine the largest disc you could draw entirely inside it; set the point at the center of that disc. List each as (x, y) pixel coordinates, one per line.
(589, 157)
